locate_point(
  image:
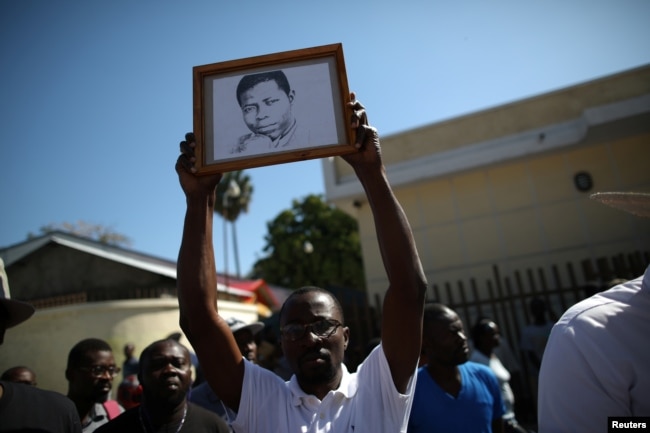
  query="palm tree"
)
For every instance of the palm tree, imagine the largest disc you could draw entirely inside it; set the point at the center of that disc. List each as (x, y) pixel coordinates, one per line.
(234, 194)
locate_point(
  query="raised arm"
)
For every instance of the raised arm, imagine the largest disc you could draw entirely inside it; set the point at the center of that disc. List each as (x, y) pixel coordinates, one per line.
(209, 334)
(404, 299)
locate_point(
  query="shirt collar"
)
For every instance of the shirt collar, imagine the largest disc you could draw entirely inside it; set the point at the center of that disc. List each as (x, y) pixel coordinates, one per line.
(347, 388)
(285, 138)
(97, 414)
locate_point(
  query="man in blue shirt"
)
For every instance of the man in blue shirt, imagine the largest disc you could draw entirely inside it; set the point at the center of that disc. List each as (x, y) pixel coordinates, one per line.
(452, 394)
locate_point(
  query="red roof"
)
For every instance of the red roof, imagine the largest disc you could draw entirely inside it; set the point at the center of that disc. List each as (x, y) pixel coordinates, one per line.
(259, 290)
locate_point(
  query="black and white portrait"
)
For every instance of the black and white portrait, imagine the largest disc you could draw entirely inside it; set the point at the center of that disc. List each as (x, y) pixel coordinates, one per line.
(278, 112)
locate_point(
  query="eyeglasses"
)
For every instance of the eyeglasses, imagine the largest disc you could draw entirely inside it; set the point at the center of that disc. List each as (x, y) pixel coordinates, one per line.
(322, 328)
(100, 370)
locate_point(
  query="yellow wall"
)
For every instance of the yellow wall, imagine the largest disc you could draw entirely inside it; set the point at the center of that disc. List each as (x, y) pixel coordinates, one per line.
(496, 187)
(42, 343)
(524, 213)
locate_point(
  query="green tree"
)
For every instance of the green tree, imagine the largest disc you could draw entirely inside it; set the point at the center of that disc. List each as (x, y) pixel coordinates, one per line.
(312, 243)
(234, 194)
(84, 229)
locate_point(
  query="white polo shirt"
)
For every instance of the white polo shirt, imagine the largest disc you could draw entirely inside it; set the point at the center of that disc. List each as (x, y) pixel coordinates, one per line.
(365, 402)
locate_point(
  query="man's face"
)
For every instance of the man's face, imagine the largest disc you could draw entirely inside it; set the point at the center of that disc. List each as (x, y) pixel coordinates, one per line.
(492, 335)
(445, 342)
(166, 373)
(93, 378)
(267, 109)
(314, 359)
(246, 343)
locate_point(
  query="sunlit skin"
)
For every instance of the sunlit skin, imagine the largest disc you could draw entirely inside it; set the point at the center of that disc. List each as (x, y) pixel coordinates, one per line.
(267, 109)
(316, 361)
(444, 345)
(445, 342)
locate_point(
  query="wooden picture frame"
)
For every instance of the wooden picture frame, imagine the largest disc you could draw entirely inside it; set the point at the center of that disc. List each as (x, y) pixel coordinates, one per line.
(245, 117)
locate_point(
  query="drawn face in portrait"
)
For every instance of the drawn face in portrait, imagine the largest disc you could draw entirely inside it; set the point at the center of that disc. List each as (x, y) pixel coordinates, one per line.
(267, 109)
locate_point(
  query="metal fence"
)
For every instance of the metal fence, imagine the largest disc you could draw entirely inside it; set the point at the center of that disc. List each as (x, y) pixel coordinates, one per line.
(506, 299)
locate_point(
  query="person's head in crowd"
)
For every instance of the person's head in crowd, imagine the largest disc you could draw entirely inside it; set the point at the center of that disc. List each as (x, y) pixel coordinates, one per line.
(266, 102)
(485, 335)
(314, 337)
(538, 310)
(165, 373)
(19, 374)
(129, 348)
(90, 371)
(245, 337)
(443, 342)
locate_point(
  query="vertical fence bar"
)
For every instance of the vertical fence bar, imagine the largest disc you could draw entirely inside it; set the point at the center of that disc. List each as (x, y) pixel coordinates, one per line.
(463, 300)
(477, 298)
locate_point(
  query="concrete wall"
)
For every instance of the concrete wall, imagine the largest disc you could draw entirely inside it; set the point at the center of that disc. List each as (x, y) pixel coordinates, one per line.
(43, 342)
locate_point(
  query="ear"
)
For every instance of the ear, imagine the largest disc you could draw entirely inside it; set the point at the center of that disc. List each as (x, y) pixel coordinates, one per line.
(291, 95)
(68, 374)
(346, 337)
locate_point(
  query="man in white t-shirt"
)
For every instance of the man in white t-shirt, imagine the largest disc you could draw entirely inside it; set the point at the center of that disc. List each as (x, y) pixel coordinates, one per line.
(322, 395)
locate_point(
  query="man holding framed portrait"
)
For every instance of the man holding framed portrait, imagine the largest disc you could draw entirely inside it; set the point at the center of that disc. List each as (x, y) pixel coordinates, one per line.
(321, 396)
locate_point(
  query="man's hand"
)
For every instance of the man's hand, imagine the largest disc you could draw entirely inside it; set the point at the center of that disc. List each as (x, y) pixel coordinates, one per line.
(366, 138)
(192, 184)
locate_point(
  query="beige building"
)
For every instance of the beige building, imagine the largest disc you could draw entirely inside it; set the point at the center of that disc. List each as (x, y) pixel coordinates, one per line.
(510, 186)
(83, 288)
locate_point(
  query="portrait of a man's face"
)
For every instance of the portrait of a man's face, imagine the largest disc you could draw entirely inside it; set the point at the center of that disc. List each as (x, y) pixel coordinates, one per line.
(265, 101)
(268, 114)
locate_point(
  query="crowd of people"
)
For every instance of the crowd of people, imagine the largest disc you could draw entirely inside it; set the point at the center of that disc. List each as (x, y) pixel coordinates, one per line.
(420, 376)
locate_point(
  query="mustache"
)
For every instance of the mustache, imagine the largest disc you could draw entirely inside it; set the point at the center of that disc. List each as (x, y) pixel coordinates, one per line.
(170, 380)
(315, 354)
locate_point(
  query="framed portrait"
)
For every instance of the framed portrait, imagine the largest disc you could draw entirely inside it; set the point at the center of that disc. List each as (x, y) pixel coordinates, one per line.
(271, 109)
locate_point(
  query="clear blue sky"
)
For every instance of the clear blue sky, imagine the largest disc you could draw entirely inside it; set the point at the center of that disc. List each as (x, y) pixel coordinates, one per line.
(96, 95)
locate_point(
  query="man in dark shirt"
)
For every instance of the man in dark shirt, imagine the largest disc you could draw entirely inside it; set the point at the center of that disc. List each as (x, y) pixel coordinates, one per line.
(166, 377)
(24, 407)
